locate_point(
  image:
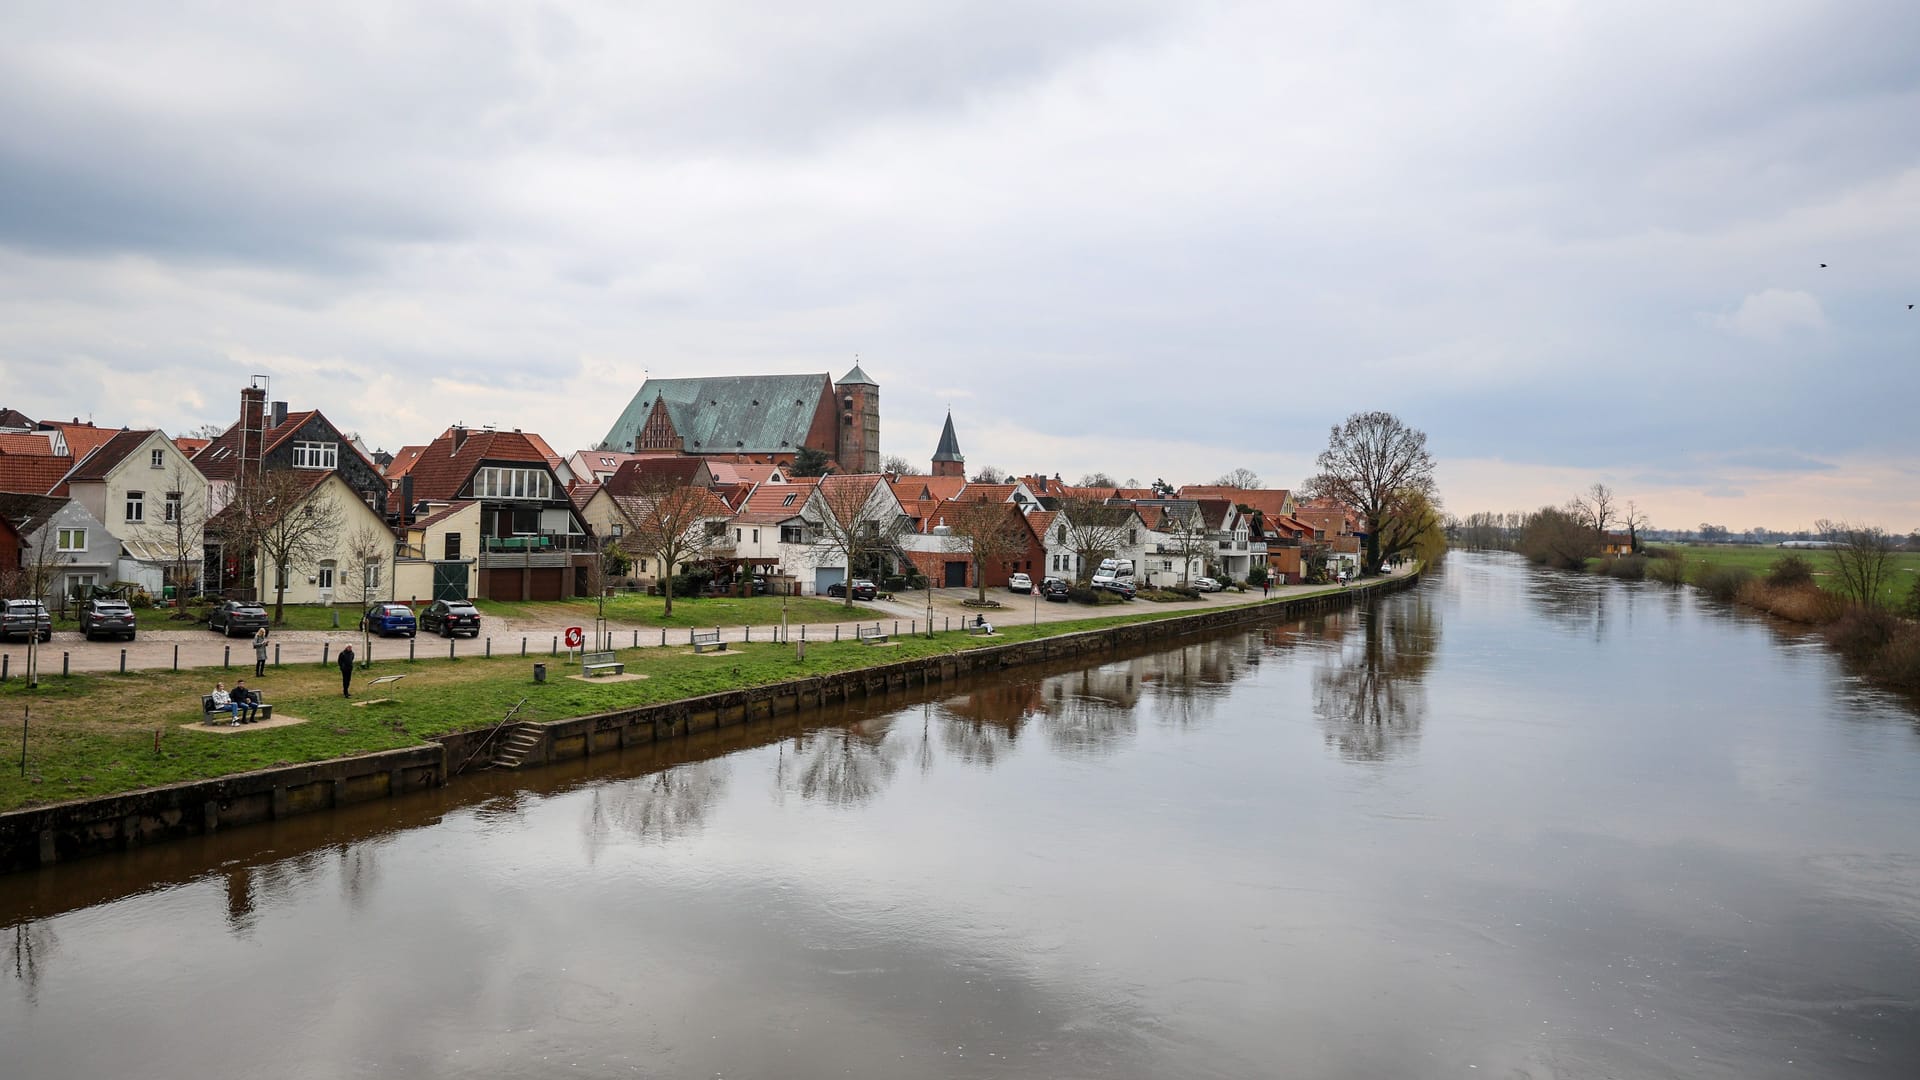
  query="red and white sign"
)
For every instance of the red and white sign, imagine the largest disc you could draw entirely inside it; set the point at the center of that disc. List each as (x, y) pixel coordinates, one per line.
(575, 637)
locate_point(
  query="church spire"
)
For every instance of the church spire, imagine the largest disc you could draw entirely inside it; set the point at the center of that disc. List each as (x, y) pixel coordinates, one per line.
(947, 458)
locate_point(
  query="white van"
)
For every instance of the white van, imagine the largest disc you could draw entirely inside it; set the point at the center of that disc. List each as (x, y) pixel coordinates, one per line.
(1112, 570)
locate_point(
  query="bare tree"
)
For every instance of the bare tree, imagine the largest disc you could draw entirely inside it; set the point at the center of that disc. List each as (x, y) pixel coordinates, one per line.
(1188, 537)
(1636, 523)
(207, 431)
(272, 518)
(1371, 463)
(179, 536)
(853, 527)
(986, 532)
(673, 523)
(1596, 506)
(40, 564)
(1239, 478)
(1094, 531)
(369, 553)
(897, 465)
(1862, 558)
(1096, 479)
(991, 474)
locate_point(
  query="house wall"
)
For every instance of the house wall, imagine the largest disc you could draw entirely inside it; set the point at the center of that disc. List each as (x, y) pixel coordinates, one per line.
(336, 500)
(106, 499)
(1284, 564)
(358, 473)
(10, 543)
(101, 557)
(414, 577)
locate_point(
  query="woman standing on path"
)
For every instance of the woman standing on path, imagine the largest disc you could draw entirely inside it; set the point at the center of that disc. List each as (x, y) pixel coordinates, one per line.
(346, 671)
(260, 652)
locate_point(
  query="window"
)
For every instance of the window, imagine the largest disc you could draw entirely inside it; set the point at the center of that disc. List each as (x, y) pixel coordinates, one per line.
(136, 506)
(316, 455)
(499, 483)
(172, 507)
(453, 546)
(643, 566)
(80, 586)
(71, 540)
(756, 536)
(373, 575)
(158, 460)
(618, 530)
(791, 534)
(1166, 564)
(736, 536)
(788, 501)
(1060, 534)
(716, 529)
(1133, 536)
(325, 576)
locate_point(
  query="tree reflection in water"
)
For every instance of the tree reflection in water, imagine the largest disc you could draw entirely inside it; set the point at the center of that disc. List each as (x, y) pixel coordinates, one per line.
(660, 807)
(1090, 712)
(1370, 695)
(982, 725)
(29, 946)
(847, 765)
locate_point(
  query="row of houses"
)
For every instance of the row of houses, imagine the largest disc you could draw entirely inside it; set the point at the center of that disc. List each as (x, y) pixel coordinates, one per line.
(284, 505)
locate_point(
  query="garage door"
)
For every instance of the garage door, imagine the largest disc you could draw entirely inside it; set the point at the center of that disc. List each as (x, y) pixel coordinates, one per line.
(956, 575)
(501, 584)
(826, 576)
(548, 583)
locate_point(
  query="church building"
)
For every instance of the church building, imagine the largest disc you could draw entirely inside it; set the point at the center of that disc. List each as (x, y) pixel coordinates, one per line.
(759, 419)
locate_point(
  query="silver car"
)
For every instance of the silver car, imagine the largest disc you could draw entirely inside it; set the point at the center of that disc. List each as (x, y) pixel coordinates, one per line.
(22, 618)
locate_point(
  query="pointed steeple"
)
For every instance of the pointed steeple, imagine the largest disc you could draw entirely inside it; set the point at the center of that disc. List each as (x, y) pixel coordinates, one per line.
(949, 448)
(856, 377)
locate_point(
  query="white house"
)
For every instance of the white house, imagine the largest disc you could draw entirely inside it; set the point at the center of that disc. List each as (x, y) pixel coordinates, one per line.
(151, 498)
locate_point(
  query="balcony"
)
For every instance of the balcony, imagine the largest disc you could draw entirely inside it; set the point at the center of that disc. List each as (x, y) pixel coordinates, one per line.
(535, 549)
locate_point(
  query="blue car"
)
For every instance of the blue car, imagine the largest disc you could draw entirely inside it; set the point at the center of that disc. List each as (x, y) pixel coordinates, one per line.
(389, 619)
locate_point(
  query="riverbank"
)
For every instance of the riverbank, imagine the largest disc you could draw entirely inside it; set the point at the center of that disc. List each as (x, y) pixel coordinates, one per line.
(99, 746)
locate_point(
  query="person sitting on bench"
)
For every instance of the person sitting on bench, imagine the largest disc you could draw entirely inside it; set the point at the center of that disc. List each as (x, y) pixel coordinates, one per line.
(223, 703)
(246, 702)
(981, 622)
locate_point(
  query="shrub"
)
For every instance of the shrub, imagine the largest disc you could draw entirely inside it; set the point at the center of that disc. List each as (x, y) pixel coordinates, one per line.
(1788, 571)
(894, 583)
(1723, 582)
(691, 583)
(1671, 571)
(1084, 594)
(1625, 567)
(1257, 576)
(1861, 633)
(1187, 592)
(1912, 605)
(1799, 603)
(1897, 664)
(142, 599)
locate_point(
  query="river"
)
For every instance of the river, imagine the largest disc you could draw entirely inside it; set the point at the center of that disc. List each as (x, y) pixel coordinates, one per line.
(1509, 824)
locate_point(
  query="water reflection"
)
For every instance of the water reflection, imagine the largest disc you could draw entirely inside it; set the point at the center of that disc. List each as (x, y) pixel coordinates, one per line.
(30, 945)
(658, 809)
(846, 766)
(1370, 693)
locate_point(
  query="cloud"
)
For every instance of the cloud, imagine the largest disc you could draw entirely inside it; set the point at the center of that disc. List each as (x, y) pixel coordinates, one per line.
(1773, 314)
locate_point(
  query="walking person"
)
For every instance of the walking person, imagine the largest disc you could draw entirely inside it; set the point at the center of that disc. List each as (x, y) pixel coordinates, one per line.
(346, 671)
(260, 652)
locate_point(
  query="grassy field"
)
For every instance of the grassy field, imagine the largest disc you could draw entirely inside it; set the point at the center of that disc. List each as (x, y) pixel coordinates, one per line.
(687, 611)
(1758, 559)
(92, 735)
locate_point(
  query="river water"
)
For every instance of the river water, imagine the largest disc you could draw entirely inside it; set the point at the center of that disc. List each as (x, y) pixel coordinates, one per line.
(1511, 823)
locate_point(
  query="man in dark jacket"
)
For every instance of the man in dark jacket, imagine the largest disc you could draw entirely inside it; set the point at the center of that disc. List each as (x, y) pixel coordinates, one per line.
(346, 671)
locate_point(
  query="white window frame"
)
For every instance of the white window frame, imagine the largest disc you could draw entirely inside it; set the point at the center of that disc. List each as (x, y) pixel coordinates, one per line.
(310, 454)
(61, 536)
(171, 504)
(324, 574)
(373, 575)
(493, 482)
(75, 581)
(158, 460)
(136, 508)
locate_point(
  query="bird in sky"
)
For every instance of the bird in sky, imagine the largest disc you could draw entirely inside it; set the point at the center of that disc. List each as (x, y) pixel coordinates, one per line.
(1823, 266)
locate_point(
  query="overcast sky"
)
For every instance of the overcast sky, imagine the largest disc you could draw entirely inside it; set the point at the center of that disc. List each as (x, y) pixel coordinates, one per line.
(1571, 242)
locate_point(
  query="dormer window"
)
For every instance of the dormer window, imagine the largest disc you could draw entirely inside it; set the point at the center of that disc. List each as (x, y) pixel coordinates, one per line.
(316, 455)
(788, 501)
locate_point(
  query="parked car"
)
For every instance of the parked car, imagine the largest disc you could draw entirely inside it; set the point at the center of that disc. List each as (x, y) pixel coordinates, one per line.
(862, 589)
(1113, 570)
(1120, 587)
(1020, 583)
(107, 617)
(1055, 589)
(450, 617)
(237, 617)
(1207, 584)
(385, 619)
(23, 619)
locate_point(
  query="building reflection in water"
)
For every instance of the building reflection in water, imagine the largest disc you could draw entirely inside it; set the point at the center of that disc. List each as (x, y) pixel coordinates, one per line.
(1369, 694)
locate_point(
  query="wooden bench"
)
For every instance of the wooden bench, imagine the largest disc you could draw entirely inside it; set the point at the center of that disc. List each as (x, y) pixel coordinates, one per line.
(207, 711)
(870, 635)
(705, 640)
(601, 663)
(979, 631)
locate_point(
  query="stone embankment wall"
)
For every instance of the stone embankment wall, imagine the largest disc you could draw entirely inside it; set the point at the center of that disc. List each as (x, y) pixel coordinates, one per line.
(115, 823)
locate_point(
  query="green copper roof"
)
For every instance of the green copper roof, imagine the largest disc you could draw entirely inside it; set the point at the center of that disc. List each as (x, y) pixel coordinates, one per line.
(746, 414)
(949, 448)
(856, 377)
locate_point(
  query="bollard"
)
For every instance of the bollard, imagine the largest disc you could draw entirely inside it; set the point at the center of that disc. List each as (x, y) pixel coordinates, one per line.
(6, 660)
(63, 665)
(276, 654)
(663, 637)
(176, 658)
(836, 631)
(912, 627)
(123, 661)
(489, 648)
(946, 622)
(450, 642)
(325, 648)
(749, 637)
(896, 628)
(523, 646)
(409, 650)
(226, 656)
(555, 651)
(636, 639)
(689, 635)
(803, 633)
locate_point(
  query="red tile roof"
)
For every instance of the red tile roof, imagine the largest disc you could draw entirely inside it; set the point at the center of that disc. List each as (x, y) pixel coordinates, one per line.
(640, 472)
(81, 438)
(109, 455)
(771, 504)
(442, 470)
(189, 445)
(985, 493)
(441, 514)
(403, 460)
(32, 474)
(39, 443)
(705, 504)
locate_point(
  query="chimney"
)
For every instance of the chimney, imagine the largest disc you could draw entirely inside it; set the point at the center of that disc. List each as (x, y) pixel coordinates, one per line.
(406, 500)
(459, 437)
(279, 413)
(253, 404)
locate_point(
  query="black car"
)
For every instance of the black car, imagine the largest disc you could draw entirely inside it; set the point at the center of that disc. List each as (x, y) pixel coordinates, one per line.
(237, 617)
(107, 617)
(1054, 588)
(1120, 587)
(862, 589)
(450, 617)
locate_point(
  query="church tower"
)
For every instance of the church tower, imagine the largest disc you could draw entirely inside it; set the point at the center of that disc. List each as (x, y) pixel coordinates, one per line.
(859, 422)
(947, 459)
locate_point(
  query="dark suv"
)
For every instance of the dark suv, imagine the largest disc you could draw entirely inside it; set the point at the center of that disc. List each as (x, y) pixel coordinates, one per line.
(23, 618)
(450, 617)
(237, 617)
(1055, 589)
(862, 589)
(107, 617)
(1120, 587)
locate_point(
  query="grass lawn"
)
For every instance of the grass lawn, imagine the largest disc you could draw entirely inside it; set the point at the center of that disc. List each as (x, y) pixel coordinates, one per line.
(93, 735)
(1906, 565)
(706, 611)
